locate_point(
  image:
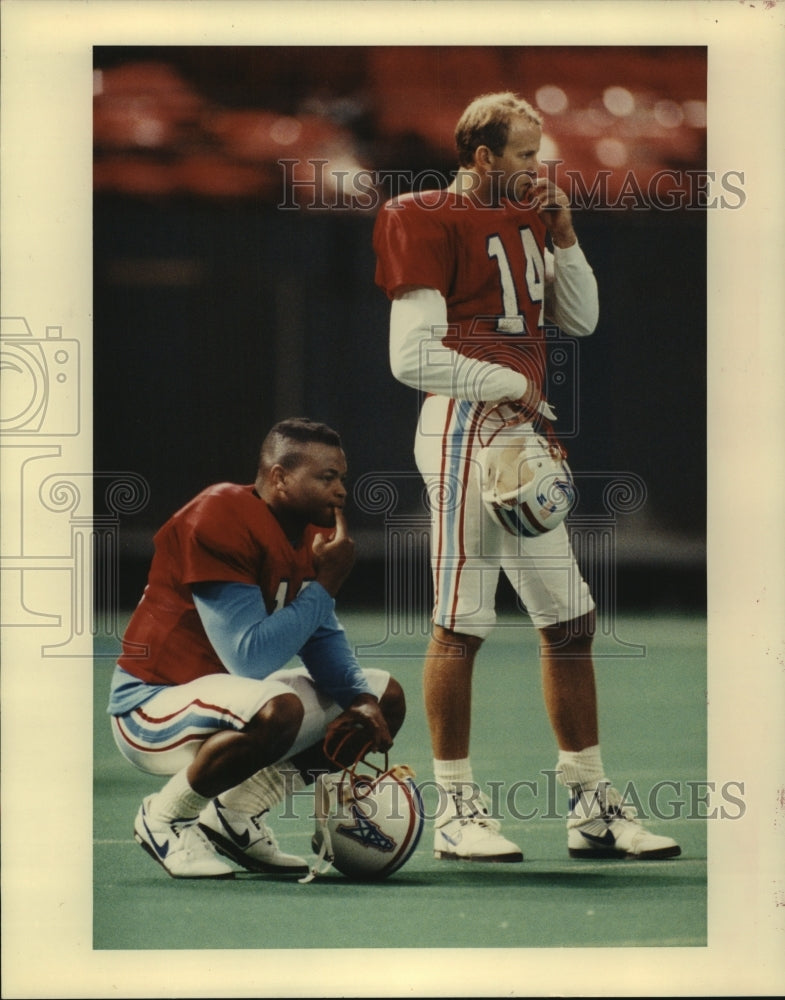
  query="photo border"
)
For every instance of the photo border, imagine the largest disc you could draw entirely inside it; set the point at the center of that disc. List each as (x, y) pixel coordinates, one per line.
(46, 239)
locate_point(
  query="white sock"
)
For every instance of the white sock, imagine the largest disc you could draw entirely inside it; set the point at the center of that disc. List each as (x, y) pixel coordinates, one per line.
(263, 790)
(581, 767)
(450, 773)
(177, 800)
(456, 779)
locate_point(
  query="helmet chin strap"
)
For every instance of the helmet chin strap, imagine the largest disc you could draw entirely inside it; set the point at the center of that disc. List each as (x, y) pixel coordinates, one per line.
(322, 804)
(324, 860)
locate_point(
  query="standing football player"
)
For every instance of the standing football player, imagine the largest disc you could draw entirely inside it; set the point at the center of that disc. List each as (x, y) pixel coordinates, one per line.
(242, 580)
(471, 282)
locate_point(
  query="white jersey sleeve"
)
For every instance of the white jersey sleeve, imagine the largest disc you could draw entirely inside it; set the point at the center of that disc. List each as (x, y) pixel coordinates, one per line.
(419, 358)
(571, 298)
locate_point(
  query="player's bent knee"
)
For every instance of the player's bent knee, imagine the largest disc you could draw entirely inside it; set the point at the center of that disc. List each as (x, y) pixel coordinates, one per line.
(277, 723)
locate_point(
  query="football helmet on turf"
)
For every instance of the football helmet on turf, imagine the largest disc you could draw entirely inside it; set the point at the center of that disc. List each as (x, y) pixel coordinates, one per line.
(369, 820)
(527, 485)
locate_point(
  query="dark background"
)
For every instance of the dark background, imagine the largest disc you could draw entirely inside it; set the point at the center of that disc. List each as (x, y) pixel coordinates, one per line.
(218, 313)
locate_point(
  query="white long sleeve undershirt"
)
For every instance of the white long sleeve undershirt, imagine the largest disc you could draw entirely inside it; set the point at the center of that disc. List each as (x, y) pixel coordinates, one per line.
(571, 299)
(418, 322)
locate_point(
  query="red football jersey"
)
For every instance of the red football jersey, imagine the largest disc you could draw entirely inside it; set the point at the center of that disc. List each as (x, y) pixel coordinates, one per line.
(226, 533)
(488, 263)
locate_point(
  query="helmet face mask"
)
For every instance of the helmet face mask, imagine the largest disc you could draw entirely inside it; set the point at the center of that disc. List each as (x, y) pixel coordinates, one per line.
(527, 486)
(369, 820)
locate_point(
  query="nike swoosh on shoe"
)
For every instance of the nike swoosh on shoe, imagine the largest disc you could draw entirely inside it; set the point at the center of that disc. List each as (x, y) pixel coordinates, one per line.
(605, 840)
(241, 839)
(160, 849)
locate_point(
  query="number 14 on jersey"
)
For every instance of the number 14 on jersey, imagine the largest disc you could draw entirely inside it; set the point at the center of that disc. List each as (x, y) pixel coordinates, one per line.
(512, 320)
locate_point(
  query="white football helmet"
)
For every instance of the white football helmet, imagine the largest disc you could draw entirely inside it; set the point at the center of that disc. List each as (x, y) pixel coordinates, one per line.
(527, 485)
(368, 820)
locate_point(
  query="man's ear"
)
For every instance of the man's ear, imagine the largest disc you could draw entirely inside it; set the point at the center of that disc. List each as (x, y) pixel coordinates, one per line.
(484, 158)
(277, 477)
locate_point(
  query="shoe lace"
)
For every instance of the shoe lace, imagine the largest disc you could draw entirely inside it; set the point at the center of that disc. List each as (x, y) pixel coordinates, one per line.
(475, 810)
(264, 830)
(195, 839)
(614, 808)
(604, 802)
(181, 826)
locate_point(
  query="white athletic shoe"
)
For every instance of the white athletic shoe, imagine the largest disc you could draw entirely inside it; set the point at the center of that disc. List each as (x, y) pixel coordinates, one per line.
(247, 840)
(472, 835)
(600, 827)
(180, 847)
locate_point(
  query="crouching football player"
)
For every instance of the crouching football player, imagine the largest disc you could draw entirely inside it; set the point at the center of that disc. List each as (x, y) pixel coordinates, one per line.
(242, 581)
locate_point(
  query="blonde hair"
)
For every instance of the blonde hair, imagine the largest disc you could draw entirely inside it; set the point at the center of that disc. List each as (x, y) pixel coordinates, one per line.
(486, 122)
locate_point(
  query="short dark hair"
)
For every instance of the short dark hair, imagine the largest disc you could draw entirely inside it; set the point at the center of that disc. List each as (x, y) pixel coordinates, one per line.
(486, 122)
(280, 447)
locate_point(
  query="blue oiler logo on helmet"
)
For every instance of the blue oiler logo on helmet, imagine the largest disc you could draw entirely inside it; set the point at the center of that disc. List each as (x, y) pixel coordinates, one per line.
(527, 485)
(369, 820)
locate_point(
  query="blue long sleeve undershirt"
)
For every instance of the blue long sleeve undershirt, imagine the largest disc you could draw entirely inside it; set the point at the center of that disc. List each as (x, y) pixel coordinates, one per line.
(249, 641)
(252, 643)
